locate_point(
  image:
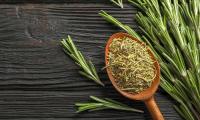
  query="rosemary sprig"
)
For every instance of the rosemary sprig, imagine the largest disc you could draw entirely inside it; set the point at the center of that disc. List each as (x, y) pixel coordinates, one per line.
(118, 3)
(101, 104)
(88, 69)
(116, 22)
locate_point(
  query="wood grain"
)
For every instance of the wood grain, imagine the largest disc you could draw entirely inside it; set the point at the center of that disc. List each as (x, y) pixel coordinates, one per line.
(39, 82)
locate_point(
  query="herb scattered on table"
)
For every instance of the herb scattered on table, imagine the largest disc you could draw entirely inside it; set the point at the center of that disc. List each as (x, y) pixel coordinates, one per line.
(88, 69)
(131, 65)
(172, 29)
(101, 104)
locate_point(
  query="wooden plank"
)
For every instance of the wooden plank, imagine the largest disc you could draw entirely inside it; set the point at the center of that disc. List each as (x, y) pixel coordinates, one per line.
(52, 1)
(38, 81)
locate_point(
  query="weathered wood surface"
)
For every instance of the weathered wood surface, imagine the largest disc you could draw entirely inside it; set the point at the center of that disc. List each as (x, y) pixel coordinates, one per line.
(39, 82)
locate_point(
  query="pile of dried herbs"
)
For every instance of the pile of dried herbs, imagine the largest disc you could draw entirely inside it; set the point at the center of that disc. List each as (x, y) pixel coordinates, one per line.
(131, 65)
(172, 29)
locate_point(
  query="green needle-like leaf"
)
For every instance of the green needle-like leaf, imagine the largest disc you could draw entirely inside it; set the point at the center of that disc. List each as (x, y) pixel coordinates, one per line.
(101, 104)
(88, 69)
(118, 3)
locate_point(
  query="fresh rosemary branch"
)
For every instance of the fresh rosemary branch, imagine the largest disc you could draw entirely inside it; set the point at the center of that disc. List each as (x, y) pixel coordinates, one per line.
(118, 3)
(113, 20)
(101, 104)
(88, 69)
(172, 29)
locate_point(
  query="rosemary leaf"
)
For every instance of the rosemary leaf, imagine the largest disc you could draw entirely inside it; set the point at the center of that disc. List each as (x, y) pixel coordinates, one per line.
(118, 3)
(113, 20)
(100, 104)
(88, 69)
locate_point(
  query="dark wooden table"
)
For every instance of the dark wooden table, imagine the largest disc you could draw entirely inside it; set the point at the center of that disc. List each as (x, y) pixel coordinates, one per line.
(38, 81)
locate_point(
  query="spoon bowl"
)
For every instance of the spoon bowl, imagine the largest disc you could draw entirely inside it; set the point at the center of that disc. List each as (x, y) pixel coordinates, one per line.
(147, 94)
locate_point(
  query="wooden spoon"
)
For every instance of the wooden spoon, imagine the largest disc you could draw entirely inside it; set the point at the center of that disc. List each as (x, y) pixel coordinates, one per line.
(147, 95)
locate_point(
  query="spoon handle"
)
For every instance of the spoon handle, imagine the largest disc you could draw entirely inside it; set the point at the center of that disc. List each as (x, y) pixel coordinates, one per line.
(153, 109)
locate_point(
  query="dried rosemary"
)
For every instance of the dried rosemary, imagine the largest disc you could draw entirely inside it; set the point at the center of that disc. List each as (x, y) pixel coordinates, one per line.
(131, 65)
